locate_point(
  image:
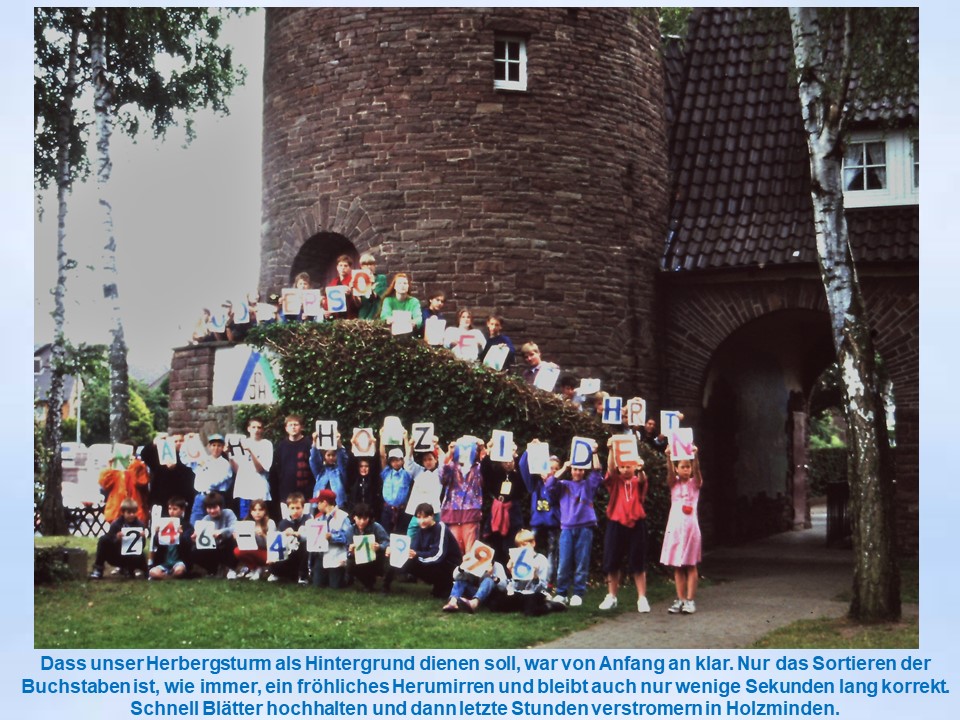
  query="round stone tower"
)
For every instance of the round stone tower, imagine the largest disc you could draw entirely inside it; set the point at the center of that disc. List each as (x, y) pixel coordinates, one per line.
(513, 158)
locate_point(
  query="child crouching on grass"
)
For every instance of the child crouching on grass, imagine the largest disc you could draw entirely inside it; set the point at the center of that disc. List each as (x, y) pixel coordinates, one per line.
(172, 560)
(366, 573)
(122, 534)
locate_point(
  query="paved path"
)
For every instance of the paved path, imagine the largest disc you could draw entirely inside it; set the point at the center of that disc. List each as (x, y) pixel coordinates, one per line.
(756, 588)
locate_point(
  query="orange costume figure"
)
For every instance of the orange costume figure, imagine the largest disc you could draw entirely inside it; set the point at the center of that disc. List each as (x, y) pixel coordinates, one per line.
(121, 484)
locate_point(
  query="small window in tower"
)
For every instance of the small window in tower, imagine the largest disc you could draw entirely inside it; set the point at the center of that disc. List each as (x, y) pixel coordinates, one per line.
(509, 63)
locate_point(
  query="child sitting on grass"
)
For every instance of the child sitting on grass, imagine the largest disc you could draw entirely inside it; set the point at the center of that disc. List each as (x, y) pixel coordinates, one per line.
(124, 532)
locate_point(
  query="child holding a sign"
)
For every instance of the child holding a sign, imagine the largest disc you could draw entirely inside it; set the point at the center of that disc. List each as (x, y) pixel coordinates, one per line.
(505, 488)
(426, 480)
(578, 519)
(462, 480)
(626, 527)
(329, 466)
(544, 510)
(171, 543)
(368, 547)
(294, 563)
(252, 561)
(124, 543)
(397, 298)
(369, 298)
(681, 539)
(349, 306)
(464, 339)
(475, 581)
(213, 541)
(433, 553)
(328, 567)
(528, 574)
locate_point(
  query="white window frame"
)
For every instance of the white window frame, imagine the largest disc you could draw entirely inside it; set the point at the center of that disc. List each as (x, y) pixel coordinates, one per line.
(901, 170)
(506, 83)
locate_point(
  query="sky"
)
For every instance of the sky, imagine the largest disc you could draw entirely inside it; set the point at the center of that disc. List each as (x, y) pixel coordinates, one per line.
(186, 223)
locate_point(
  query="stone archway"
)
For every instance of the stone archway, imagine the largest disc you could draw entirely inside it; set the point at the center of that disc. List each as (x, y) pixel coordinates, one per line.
(752, 422)
(318, 257)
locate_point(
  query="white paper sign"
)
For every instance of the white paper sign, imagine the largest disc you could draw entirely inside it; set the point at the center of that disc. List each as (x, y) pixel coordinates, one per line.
(581, 452)
(312, 305)
(166, 450)
(337, 299)
(496, 357)
(246, 535)
(327, 434)
(434, 329)
(205, 538)
(538, 458)
(401, 322)
(362, 283)
(681, 444)
(422, 434)
(589, 386)
(291, 301)
(636, 412)
(192, 450)
(392, 431)
(625, 450)
(522, 569)
(612, 410)
(547, 376)
(363, 551)
(669, 420)
(363, 443)
(478, 560)
(168, 531)
(278, 546)
(131, 541)
(234, 443)
(399, 549)
(502, 449)
(315, 532)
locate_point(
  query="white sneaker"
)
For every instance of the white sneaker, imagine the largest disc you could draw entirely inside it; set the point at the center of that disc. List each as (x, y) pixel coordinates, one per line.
(576, 601)
(562, 599)
(273, 578)
(243, 571)
(231, 574)
(689, 607)
(676, 607)
(255, 575)
(642, 605)
(609, 602)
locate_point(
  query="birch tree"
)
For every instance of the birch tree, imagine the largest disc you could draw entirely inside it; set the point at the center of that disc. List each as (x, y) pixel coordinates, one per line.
(57, 158)
(831, 83)
(157, 63)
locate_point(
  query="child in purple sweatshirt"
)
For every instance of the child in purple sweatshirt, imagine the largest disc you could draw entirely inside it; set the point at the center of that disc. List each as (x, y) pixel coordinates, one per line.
(577, 521)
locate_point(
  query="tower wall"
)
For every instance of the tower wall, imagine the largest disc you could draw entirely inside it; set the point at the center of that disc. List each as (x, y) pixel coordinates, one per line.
(546, 206)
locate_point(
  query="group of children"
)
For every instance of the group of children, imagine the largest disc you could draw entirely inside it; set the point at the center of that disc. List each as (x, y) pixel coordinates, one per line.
(459, 521)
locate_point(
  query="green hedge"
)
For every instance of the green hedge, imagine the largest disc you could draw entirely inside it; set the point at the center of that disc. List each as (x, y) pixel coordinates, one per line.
(826, 465)
(357, 373)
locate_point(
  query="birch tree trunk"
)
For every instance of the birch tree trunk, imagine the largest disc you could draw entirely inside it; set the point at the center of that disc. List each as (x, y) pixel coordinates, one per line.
(51, 510)
(119, 393)
(876, 582)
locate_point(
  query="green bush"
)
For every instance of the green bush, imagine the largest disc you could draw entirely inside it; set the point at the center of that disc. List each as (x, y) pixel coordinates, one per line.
(826, 465)
(50, 565)
(357, 373)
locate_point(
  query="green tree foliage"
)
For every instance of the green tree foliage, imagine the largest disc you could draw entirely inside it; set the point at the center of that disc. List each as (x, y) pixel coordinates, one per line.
(161, 63)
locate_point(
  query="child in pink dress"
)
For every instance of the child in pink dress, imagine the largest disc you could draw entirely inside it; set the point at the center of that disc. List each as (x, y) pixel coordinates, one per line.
(681, 539)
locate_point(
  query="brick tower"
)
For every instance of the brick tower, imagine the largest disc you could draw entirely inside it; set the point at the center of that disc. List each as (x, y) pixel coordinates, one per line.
(514, 158)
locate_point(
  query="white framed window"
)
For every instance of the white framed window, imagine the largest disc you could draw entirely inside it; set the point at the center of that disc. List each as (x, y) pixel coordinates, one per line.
(509, 62)
(881, 169)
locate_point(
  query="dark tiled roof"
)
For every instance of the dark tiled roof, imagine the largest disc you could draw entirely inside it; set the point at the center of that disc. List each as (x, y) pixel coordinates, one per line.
(739, 167)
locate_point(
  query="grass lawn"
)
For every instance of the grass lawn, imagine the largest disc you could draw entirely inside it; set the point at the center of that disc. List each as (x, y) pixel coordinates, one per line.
(216, 613)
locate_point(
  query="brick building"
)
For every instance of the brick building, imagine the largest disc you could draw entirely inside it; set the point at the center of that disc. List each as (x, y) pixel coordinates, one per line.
(645, 216)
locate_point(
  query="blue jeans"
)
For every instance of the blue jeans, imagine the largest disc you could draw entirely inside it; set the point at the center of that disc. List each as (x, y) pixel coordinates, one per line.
(467, 589)
(575, 546)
